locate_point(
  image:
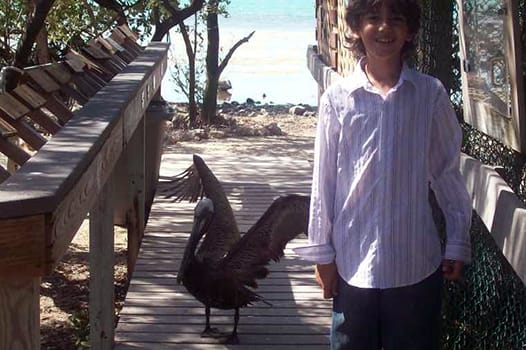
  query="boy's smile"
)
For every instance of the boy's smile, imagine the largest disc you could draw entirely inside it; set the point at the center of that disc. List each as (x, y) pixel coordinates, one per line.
(383, 33)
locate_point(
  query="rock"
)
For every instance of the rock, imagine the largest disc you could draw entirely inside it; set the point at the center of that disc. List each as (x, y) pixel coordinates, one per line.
(245, 131)
(224, 85)
(218, 134)
(250, 101)
(297, 110)
(274, 130)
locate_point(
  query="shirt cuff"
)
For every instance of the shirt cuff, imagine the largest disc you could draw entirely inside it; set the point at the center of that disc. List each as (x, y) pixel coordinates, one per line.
(460, 251)
(320, 253)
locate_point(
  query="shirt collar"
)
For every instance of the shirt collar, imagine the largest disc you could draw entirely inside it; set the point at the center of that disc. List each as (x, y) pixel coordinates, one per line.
(358, 79)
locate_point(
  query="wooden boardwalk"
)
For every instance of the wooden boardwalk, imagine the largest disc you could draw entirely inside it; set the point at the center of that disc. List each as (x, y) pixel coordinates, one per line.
(160, 314)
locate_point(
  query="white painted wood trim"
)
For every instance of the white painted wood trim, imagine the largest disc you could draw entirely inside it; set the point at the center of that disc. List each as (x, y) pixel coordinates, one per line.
(503, 213)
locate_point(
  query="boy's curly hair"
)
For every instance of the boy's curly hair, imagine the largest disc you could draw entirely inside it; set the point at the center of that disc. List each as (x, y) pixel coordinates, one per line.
(410, 9)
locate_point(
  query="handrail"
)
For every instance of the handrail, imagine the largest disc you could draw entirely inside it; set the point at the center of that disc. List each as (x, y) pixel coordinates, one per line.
(44, 203)
(47, 199)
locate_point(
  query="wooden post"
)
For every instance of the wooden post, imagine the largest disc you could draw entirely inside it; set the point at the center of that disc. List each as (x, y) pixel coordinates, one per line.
(135, 154)
(20, 313)
(102, 261)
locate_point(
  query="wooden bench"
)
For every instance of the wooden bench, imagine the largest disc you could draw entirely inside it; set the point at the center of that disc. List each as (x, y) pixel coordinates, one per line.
(38, 107)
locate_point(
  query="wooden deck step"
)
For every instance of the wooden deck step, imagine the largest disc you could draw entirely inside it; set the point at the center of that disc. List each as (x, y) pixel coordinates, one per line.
(160, 314)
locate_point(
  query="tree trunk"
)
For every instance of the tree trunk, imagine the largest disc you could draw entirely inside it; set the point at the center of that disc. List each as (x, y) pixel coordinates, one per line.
(190, 52)
(23, 53)
(208, 112)
(42, 50)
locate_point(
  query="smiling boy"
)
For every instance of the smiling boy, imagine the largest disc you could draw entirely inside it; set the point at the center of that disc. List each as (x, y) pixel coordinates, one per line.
(386, 134)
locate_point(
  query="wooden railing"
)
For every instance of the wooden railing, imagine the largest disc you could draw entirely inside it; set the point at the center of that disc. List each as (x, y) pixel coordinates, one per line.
(44, 203)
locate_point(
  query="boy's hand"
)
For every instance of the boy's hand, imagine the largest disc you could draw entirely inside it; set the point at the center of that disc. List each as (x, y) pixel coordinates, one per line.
(327, 278)
(452, 269)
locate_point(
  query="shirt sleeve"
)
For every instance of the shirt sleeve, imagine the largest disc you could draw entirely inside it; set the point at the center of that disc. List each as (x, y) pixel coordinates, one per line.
(446, 179)
(320, 249)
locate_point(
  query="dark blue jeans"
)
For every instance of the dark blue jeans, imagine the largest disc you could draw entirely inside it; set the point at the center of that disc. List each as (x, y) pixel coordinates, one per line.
(405, 318)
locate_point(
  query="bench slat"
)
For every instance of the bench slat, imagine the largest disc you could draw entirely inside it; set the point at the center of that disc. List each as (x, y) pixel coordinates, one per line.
(13, 152)
(12, 107)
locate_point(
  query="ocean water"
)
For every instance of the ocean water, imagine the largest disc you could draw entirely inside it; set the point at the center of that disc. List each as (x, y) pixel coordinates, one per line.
(272, 66)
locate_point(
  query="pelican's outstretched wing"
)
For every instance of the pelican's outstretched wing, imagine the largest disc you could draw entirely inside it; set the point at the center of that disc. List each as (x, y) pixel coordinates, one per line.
(185, 186)
(286, 218)
(190, 185)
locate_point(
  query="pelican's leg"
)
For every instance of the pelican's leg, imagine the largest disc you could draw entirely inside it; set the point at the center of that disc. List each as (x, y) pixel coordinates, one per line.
(232, 338)
(209, 331)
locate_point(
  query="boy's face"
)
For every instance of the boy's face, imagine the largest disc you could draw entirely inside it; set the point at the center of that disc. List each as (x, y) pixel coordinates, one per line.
(383, 33)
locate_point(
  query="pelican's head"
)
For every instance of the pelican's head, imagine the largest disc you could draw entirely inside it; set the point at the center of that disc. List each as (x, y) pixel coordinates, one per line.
(203, 213)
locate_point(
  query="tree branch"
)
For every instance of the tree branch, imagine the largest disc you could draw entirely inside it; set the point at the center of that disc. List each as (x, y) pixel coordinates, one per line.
(34, 25)
(177, 16)
(232, 50)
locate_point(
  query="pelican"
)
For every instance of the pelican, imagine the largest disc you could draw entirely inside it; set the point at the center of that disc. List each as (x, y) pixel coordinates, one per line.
(223, 271)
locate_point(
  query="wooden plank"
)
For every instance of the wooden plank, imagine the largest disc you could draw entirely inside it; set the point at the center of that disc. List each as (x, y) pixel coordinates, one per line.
(92, 67)
(76, 65)
(42, 80)
(58, 72)
(224, 319)
(96, 53)
(128, 32)
(4, 174)
(29, 96)
(85, 85)
(20, 299)
(13, 152)
(174, 346)
(102, 263)
(265, 329)
(59, 109)
(263, 310)
(104, 45)
(23, 252)
(6, 129)
(102, 58)
(71, 91)
(45, 121)
(12, 107)
(135, 179)
(128, 43)
(192, 303)
(185, 338)
(25, 131)
(123, 52)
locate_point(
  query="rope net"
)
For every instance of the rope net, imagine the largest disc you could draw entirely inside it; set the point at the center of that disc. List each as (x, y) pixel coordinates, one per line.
(487, 309)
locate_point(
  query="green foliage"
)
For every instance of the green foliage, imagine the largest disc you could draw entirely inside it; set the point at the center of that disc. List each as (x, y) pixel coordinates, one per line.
(80, 324)
(13, 16)
(71, 23)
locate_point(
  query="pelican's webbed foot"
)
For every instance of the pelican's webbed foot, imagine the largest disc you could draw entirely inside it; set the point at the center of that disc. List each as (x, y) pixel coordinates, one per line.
(211, 332)
(232, 339)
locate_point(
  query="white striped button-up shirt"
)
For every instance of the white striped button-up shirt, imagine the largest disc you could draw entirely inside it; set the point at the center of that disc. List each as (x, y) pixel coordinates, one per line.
(375, 158)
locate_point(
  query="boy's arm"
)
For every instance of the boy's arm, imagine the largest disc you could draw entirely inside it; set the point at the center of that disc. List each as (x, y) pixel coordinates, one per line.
(320, 249)
(448, 185)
